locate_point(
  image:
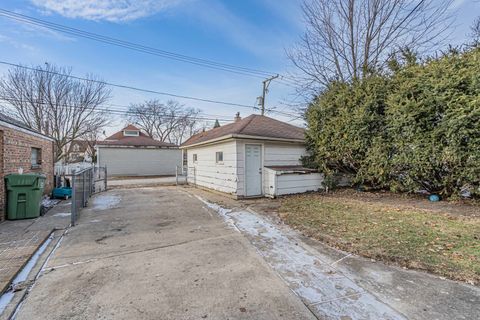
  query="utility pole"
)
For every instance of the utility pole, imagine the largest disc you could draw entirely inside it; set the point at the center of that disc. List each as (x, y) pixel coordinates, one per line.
(266, 83)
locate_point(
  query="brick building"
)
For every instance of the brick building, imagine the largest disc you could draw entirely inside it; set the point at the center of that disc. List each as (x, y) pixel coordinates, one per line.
(21, 147)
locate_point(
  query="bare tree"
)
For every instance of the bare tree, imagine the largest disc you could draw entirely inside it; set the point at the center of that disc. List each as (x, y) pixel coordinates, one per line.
(91, 138)
(349, 39)
(171, 122)
(47, 100)
(476, 30)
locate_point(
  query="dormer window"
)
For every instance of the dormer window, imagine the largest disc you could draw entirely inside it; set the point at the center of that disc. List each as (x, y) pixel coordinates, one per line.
(131, 133)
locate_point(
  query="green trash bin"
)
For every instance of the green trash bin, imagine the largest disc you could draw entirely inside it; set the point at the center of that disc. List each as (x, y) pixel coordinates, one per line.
(24, 195)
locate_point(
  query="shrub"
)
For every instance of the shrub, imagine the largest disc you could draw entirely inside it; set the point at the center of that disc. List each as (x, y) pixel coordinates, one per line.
(342, 122)
(418, 128)
(433, 118)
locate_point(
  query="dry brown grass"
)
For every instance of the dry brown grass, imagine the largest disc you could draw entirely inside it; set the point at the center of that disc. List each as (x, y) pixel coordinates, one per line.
(440, 243)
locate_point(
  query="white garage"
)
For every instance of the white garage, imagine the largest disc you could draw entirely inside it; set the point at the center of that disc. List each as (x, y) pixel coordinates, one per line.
(130, 152)
(251, 157)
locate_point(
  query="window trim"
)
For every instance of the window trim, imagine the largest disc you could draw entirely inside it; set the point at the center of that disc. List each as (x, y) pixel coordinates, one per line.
(38, 163)
(195, 158)
(217, 156)
(131, 133)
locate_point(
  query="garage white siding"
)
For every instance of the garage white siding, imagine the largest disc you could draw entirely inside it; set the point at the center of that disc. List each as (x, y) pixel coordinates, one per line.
(278, 183)
(270, 182)
(209, 173)
(134, 161)
(278, 154)
(274, 154)
(229, 176)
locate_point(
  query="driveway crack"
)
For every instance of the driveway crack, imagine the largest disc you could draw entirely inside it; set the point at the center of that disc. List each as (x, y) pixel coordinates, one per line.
(133, 252)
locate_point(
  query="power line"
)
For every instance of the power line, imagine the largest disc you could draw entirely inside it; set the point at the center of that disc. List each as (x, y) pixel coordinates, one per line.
(102, 109)
(129, 87)
(126, 108)
(142, 90)
(138, 47)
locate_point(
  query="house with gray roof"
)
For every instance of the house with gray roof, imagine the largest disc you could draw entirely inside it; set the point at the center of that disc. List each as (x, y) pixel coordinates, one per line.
(252, 157)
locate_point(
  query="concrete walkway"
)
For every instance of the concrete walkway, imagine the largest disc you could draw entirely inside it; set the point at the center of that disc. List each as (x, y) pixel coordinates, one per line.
(19, 239)
(157, 253)
(324, 288)
(339, 285)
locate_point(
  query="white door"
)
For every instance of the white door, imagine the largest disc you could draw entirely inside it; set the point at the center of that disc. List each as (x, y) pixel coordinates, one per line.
(253, 169)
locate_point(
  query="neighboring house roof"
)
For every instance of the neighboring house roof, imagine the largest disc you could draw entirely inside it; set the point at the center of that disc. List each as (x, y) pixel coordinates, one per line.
(21, 125)
(142, 140)
(251, 126)
(131, 127)
(119, 135)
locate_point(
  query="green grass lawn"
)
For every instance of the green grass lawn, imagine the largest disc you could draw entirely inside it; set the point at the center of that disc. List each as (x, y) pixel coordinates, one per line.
(440, 243)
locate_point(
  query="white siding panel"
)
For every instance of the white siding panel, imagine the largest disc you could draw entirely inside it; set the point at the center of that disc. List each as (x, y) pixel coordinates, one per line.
(274, 154)
(269, 186)
(208, 173)
(298, 183)
(229, 176)
(139, 161)
(277, 154)
(240, 149)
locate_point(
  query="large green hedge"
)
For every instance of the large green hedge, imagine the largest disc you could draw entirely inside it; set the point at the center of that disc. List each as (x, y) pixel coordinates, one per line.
(415, 129)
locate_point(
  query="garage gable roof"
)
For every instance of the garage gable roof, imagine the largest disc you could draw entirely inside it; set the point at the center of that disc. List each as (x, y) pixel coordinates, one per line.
(142, 140)
(251, 126)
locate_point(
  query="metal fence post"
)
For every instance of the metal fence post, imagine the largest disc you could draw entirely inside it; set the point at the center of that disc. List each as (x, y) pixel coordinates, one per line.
(105, 177)
(73, 214)
(89, 185)
(176, 175)
(195, 176)
(92, 181)
(83, 189)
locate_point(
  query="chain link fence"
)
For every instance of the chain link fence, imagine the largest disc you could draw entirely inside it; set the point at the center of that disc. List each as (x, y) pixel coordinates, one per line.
(181, 175)
(84, 184)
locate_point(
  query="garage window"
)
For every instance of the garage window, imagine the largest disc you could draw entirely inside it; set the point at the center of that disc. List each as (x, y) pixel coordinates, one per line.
(194, 157)
(219, 157)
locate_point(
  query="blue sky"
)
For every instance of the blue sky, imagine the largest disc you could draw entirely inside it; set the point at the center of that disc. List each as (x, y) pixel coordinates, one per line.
(250, 33)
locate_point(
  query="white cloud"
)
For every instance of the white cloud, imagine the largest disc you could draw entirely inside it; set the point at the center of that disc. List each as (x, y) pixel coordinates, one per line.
(109, 10)
(16, 44)
(457, 4)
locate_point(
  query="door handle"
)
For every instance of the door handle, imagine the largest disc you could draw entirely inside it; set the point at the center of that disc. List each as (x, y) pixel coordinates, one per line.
(260, 170)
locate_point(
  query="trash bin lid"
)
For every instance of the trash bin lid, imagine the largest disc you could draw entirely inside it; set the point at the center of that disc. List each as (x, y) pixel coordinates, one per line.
(27, 179)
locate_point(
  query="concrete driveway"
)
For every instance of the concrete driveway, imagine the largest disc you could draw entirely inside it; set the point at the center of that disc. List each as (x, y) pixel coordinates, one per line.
(136, 182)
(157, 253)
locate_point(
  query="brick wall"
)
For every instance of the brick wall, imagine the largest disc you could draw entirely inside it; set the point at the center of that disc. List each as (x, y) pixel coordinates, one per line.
(15, 152)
